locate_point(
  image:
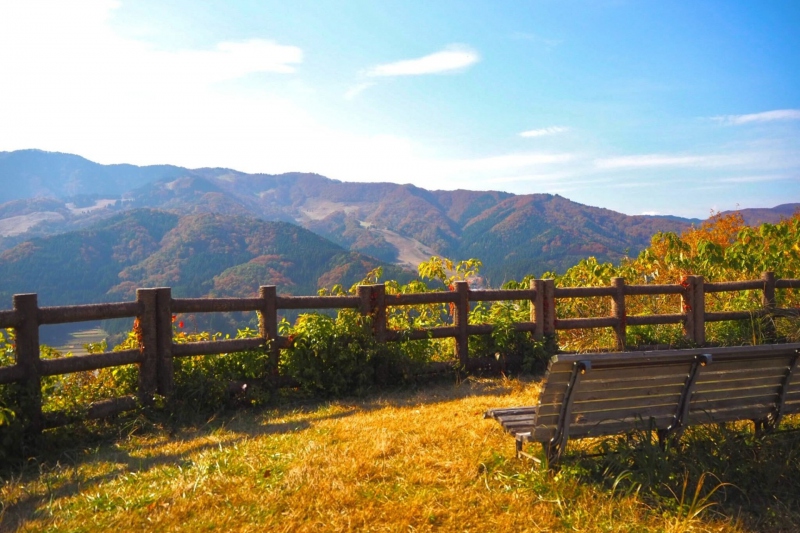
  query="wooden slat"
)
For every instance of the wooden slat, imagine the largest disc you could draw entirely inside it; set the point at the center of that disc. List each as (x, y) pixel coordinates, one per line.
(494, 295)
(741, 394)
(731, 403)
(614, 407)
(709, 416)
(627, 411)
(82, 363)
(739, 383)
(583, 396)
(709, 376)
(718, 354)
(497, 413)
(612, 427)
(749, 364)
(215, 305)
(638, 290)
(89, 312)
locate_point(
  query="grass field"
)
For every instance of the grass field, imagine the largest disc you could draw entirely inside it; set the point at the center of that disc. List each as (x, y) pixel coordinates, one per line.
(422, 460)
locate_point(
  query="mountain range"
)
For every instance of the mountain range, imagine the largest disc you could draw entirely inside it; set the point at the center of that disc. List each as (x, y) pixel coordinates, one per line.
(44, 194)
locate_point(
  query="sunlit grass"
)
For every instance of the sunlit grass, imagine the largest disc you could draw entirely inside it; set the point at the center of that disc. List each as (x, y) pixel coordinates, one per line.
(410, 461)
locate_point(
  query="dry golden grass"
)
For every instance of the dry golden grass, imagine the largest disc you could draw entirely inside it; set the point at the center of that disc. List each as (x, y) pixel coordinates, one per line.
(413, 461)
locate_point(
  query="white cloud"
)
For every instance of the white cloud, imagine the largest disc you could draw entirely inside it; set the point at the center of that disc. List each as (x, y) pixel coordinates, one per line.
(452, 58)
(766, 116)
(650, 213)
(552, 130)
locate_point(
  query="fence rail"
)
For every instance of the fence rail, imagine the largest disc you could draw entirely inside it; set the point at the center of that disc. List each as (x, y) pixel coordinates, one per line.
(154, 308)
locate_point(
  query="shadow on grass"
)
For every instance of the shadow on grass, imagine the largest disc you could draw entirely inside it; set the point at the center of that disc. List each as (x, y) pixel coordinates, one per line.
(99, 442)
(717, 471)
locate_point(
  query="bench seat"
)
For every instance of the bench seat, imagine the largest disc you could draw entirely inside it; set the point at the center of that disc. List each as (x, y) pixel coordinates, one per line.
(591, 395)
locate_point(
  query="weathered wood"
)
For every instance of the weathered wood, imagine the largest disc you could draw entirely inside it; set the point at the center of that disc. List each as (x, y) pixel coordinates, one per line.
(27, 341)
(84, 363)
(787, 283)
(709, 416)
(421, 298)
(215, 305)
(720, 316)
(379, 312)
(419, 334)
(496, 295)
(583, 292)
(216, 347)
(548, 307)
(609, 392)
(10, 374)
(649, 320)
(145, 328)
(163, 319)
(728, 286)
(268, 324)
(317, 302)
(537, 309)
(617, 407)
(461, 321)
(585, 323)
(723, 353)
(769, 392)
(9, 319)
(780, 405)
(641, 290)
(699, 310)
(618, 311)
(89, 312)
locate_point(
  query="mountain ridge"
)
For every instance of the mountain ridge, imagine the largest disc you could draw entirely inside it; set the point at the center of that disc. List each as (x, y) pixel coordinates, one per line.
(514, 235)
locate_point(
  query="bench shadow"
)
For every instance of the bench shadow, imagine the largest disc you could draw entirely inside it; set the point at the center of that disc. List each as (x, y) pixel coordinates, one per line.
(748, 480)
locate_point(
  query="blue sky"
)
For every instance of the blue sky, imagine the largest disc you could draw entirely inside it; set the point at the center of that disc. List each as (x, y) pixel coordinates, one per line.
(674, 107)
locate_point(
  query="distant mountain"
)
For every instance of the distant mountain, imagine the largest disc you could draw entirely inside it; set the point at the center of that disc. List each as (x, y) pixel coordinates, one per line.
(197, 255)
(757, 216)
(34, 173)
(513, 235)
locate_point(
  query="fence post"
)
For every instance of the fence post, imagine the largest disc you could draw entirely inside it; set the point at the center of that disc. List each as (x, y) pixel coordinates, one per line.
(461, 320)
(618, 311)
(164, 344)
(146, 329)
(688, 308)
(27, 343)
(379, 309)
(537, 309)
(549, 306)
(699, 310)
(268, 324)
(768, 303)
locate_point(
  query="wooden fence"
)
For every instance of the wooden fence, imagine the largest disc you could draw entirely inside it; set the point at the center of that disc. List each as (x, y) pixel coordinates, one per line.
(154, 308)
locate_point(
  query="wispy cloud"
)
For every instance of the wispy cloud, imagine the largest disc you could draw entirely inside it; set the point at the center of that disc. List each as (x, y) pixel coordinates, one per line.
(753, 179)
(355, 90)
(766, 116)
(649, 160)
(552, 130)
(453, 58)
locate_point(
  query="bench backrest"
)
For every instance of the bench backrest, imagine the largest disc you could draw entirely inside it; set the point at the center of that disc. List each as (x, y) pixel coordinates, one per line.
(602, 394)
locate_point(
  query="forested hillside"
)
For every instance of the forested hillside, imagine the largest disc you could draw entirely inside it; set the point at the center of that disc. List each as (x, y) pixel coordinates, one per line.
(196, 255)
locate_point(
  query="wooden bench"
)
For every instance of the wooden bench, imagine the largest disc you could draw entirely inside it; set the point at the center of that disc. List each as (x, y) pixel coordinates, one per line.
(591, 395)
